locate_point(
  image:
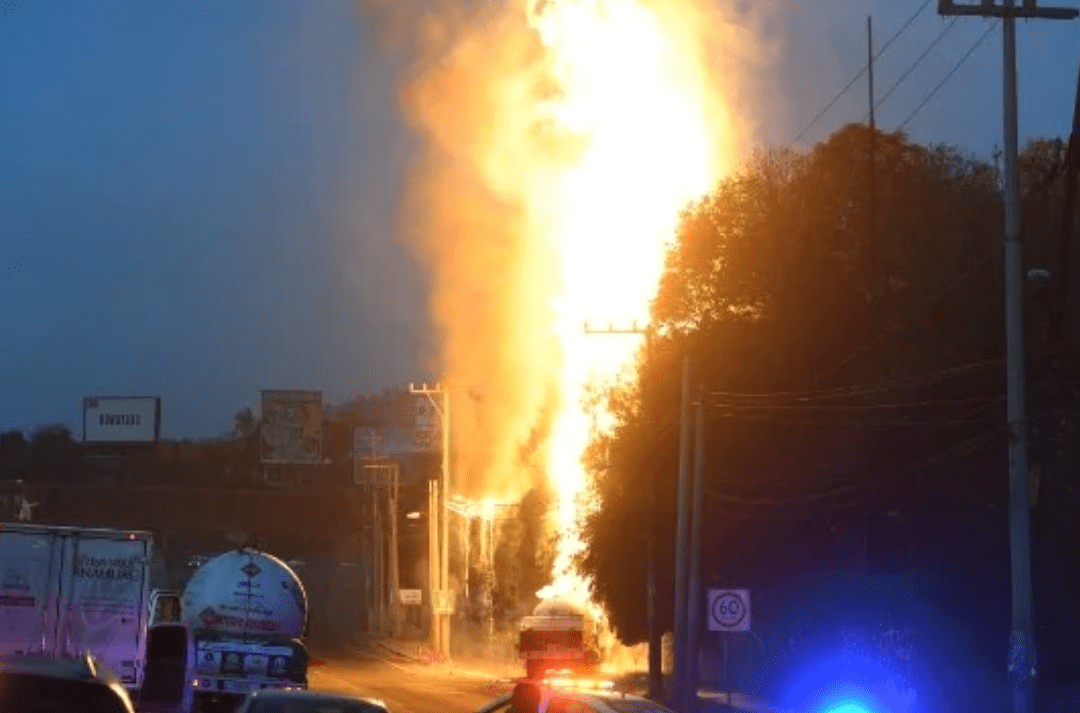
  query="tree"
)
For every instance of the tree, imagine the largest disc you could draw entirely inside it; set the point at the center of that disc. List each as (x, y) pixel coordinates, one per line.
(14, 455)
(53, 454)
(245, 423)
(845, 376)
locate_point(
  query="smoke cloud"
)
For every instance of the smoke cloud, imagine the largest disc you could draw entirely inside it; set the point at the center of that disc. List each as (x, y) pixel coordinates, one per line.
(466, 76)
(470, 78)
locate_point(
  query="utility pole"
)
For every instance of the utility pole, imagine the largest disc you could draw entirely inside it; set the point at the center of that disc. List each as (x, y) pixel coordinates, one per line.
(440, 613)
(871, 233)
(395, 576)
(1061, 300)
(695, 595)
(656, 679)
(682, 536)
(433, 563)
(1021, 639)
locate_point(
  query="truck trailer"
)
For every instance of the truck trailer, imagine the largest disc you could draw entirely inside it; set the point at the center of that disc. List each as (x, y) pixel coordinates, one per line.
(238, 626)
(68, 591)
(559, 636)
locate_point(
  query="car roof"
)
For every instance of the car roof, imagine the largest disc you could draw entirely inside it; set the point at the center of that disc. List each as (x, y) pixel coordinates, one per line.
(296, 694)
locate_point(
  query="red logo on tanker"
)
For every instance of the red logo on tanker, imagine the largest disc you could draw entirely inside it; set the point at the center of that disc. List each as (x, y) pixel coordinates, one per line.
(209, 617)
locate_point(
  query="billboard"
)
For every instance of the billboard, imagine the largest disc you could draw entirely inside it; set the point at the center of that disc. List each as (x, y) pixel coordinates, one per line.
(385, 442)
(121, 419)
(427, 426)
(292, 427)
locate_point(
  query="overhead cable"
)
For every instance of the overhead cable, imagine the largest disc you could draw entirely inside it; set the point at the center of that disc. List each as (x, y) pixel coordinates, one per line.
(849, 85)
(866, 388)
(948, 76)
(918, 60)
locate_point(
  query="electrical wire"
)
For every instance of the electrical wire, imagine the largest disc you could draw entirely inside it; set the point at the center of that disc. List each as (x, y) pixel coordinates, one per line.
(866, 388)
(948, 76)
(849, 85)
(854, 492)
(953, 285)
(918, 60)
(856, 407)
(853, 424)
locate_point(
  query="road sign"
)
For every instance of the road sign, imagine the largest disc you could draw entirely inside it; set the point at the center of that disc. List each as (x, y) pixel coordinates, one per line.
(729, 610)
(410, 597)
(443, 601)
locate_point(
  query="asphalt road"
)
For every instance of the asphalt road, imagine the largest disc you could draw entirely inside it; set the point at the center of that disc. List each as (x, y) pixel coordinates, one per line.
(405, 687)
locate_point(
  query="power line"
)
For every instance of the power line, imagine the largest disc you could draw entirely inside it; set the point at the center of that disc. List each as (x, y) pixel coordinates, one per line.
(866, 388)
(853, 424)
(950, 287)
(816, 119)
(855, 407)
(918, 60)
(948, 76)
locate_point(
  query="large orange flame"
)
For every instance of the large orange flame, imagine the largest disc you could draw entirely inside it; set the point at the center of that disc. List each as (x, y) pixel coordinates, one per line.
(561, 140)
(631, 87)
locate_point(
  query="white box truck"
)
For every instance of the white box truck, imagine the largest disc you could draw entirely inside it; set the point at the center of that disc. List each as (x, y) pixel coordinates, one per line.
(65, 591)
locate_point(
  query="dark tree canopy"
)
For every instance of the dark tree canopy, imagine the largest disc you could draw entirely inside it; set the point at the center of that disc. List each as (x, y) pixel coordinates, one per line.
(849, 368)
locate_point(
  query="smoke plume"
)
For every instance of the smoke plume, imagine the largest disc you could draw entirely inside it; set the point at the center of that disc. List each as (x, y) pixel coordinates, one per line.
(471, 78)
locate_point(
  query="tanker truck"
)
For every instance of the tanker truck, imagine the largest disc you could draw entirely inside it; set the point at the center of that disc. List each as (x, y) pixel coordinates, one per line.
(559, 636)
(243, 615)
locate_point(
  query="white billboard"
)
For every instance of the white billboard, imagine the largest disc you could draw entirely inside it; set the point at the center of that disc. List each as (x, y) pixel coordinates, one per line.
(121, 419)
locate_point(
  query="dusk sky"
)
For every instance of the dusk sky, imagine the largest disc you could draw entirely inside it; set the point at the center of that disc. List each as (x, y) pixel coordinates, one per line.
(197, 199)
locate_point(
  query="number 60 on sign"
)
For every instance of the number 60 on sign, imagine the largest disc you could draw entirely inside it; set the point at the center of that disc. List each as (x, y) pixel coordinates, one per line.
(729, 610)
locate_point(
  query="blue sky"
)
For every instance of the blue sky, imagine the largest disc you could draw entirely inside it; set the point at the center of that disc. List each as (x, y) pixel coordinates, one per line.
(197, 199)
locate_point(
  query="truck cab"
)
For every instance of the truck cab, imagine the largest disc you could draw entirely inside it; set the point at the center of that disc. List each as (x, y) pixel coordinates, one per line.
(169, 678)
(164, 607)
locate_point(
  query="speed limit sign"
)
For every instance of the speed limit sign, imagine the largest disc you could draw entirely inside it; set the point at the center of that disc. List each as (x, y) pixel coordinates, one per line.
(729, 610)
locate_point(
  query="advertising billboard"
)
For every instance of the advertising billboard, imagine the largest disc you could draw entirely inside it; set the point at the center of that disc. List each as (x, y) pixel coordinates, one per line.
(121, 419)
(292, 427)
(385, 442)
(427, 426)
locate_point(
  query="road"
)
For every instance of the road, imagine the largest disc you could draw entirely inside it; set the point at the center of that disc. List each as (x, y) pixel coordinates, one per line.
(405, 687)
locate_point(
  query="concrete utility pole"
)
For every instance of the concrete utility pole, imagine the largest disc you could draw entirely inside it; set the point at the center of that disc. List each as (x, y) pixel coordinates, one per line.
(433, 563)
(656, 678)
(695, 596)
(682, 536)
(1021, 640)
(395, 575)
(440, 613)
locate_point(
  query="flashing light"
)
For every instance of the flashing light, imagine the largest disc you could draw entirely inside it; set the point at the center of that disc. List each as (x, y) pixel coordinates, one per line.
(845, 684)
(848, 707)
(413, 516)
